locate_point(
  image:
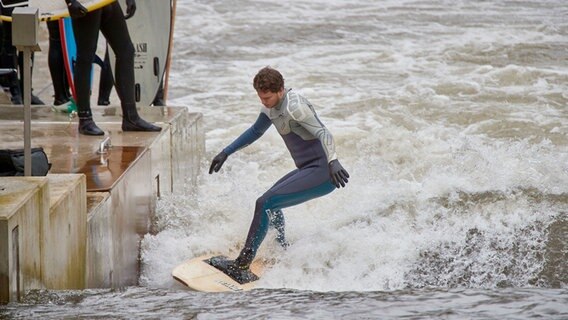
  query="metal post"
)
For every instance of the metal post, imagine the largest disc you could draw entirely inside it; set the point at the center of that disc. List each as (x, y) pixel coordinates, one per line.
(27, 112)
(25, 24)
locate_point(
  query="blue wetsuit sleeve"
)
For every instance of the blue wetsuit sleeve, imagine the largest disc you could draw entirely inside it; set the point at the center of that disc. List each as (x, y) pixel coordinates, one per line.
(252, 134)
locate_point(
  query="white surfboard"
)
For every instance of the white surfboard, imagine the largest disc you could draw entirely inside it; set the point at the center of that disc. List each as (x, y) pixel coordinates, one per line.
(199, 275)
(56, 9)
(150, 30)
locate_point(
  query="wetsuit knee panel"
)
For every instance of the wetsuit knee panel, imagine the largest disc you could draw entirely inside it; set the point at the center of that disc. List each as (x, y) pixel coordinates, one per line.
(274, 202)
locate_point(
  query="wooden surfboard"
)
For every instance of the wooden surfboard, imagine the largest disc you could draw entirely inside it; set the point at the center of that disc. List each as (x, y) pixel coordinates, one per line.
(56, 9)
(199, 275)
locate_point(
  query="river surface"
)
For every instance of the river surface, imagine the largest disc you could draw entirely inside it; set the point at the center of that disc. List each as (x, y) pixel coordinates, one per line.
(451, 118)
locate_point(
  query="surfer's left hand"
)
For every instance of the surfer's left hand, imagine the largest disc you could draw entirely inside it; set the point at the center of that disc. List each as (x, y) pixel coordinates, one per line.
(339, 175)
(130, 8)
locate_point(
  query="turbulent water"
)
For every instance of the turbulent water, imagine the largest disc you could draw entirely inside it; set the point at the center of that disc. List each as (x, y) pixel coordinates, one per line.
(451, 118)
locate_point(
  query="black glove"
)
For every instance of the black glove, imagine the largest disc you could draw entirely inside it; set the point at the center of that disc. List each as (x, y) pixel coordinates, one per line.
(338, 174)
(76, 9)
(217, 162)
(130, 8)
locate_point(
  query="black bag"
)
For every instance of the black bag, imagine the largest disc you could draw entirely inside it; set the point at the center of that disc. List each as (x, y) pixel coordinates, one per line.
(12, 162)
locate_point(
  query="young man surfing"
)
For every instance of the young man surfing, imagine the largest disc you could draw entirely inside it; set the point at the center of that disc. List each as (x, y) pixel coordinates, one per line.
(311, 145)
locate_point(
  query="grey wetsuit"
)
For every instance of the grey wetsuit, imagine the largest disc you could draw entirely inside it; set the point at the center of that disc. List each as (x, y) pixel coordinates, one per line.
(312, 148)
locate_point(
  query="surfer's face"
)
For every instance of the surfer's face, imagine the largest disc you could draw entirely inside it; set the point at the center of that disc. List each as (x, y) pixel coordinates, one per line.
(270, 99)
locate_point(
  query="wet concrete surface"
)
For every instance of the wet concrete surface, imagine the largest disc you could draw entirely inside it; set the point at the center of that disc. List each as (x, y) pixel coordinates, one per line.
(71, 152)
(103, 171)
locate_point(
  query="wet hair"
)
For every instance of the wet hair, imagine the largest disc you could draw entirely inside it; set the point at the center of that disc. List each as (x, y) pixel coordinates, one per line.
(268, 79)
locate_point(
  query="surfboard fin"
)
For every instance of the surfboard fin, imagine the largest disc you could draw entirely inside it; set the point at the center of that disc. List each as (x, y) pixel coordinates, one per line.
(229, 268)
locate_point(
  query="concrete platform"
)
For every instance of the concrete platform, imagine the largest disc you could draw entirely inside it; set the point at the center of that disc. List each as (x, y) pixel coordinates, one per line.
(102, 204)
(178, 147)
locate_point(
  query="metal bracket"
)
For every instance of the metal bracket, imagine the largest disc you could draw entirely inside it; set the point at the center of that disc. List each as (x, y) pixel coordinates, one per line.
(104, 146)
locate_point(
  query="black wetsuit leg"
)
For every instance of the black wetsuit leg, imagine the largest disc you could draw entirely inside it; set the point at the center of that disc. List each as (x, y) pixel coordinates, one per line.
(86, 30)
(110, 21)
(56, 64)
(159, 98)
(105, 82)
(115, 30)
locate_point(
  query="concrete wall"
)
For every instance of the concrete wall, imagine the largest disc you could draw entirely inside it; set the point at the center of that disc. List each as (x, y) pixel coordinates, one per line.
(116, 222)
(83, 230)
(188, 146)
(23, 203)
(160, 151)
(42, 233)
(64, 233)
(100, 248)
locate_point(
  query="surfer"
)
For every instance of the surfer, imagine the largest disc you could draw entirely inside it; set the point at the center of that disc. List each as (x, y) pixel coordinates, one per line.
(312, 148)
(111, 21)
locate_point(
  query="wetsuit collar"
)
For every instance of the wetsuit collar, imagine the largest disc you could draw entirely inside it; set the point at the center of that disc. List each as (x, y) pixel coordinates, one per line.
(284, 98)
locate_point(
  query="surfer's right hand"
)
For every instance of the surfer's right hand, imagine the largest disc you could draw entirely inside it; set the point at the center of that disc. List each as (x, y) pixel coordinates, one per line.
(76, 9)
(217, 162)
(339, 175)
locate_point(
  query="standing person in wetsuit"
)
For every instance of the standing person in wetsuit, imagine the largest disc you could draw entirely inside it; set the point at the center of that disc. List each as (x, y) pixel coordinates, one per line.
(110, 20)
(313, 150)
(56, 63)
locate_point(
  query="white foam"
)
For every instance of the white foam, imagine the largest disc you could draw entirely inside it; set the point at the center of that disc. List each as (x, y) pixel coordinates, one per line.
(450, 120)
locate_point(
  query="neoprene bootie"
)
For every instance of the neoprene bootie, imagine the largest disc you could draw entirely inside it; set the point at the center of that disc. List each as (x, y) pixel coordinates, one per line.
(131, 121)
(240, 274)
(139, 125)
(245, 258)
(16, 95)
(36, 100)
(88, 127)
